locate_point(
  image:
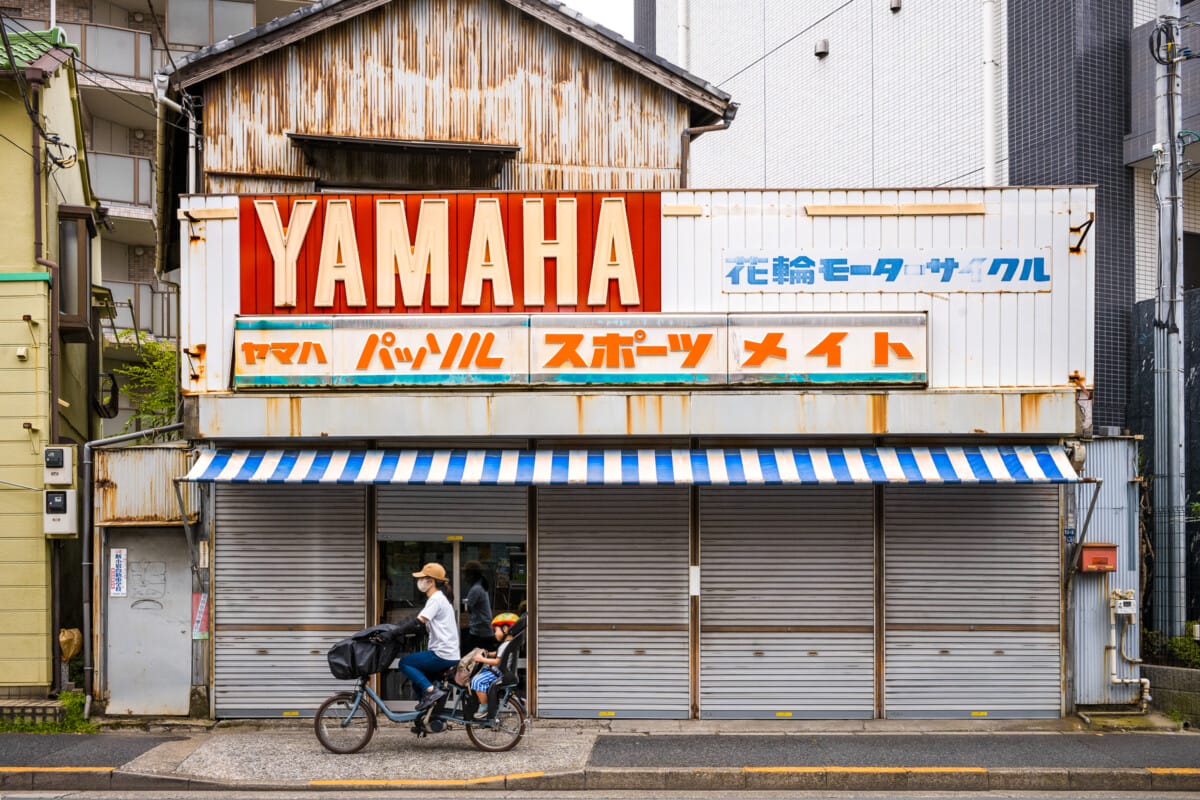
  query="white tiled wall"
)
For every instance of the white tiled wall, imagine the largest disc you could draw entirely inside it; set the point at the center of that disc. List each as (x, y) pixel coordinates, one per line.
(895, 103)
(1144, 11)
(1146, 228)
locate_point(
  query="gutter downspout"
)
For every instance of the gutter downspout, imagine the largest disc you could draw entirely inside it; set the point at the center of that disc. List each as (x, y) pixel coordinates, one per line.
(683, 33)
(86, 506)
(685, 141)
(53, 354)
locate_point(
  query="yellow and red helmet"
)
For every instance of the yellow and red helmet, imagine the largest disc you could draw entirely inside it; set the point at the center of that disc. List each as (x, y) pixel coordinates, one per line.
(505, 619)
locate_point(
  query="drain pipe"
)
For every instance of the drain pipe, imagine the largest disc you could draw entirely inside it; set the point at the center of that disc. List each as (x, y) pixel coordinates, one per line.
(1143, 697)
(86, 504)
(685, 140)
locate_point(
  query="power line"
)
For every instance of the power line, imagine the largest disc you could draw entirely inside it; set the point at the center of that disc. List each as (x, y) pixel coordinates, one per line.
(785, 42)
(14, 144)
(114, 79)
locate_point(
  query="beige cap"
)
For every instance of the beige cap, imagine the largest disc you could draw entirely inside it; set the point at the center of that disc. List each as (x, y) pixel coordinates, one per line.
(435, 571)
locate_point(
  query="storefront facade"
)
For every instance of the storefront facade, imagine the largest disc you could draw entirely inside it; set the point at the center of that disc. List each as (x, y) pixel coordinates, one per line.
(742, 455)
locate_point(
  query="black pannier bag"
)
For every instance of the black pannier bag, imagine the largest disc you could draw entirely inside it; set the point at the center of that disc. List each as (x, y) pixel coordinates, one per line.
(365, 653)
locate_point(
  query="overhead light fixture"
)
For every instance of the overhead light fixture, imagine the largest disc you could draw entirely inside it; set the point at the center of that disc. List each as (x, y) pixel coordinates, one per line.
(821, 48)
(896, 4)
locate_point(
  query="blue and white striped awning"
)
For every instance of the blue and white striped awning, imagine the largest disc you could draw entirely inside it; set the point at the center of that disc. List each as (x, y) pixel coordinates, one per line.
(712, 467)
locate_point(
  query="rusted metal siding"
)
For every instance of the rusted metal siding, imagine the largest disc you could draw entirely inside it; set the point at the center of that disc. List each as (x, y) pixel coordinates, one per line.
(134, 485)
(459, 71)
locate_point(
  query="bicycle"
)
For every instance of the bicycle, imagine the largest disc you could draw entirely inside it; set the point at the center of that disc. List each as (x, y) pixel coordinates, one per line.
(346, 722)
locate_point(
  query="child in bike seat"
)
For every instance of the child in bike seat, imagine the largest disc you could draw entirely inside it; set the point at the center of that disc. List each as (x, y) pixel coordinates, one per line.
(502, 626)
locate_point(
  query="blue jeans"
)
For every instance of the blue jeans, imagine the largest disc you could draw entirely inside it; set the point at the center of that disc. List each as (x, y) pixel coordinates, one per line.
(419, 666)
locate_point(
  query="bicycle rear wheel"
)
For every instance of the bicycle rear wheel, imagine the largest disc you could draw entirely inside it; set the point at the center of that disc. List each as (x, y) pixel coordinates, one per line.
(503, 733)
(341, 731)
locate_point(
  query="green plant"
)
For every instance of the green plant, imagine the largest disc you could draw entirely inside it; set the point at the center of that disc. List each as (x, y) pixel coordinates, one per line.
(1184, 650)
(152, 384)
(72, 722)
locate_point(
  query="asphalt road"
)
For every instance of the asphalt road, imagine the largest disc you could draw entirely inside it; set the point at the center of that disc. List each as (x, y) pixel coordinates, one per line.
(74, 750)
(882, 750)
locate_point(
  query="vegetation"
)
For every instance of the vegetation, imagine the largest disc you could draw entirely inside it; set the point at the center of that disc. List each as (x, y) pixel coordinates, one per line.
(1173, 651)
(73, 721)
(152, 385)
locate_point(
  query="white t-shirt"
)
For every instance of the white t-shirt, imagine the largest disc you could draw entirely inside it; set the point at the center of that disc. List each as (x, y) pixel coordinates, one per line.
(443, 627)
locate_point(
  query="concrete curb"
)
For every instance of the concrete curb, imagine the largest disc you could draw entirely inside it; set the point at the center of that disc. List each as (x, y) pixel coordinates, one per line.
(663, 779)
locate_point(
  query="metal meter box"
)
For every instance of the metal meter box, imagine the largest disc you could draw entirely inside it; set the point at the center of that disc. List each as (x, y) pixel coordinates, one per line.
(60, 518)
(1098, 557)
(59, 463)
(1125, 607)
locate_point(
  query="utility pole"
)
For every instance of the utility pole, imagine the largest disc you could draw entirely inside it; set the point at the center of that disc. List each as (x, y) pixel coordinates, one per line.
(1170, 538)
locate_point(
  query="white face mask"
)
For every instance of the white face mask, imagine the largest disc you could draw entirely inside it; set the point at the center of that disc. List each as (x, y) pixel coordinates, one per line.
(423, 584)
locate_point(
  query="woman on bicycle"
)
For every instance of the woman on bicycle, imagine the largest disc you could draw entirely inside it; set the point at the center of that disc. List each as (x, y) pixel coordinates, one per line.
(439, 619)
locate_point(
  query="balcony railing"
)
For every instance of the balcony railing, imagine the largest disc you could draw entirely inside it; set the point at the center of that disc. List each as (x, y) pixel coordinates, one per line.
(119, 52)
(146, 308)
(121, 178)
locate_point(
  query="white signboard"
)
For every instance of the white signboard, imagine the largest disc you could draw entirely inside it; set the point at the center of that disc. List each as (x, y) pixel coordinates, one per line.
(401, 350)
(582, 349)
(801, 269)
(828, 348)
(118, 573)
(628, 349)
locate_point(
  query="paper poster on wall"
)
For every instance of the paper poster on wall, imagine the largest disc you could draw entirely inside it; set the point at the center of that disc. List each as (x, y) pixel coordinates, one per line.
(118, 573)
(199, 615)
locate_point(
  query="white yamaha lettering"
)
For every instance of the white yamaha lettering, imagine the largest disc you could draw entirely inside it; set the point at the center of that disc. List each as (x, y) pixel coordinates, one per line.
(411, 260)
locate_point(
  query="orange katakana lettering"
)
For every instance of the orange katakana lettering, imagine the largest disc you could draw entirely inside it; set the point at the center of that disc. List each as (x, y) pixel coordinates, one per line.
(884, 348)
(831, 348)
(769, 347)
(568, 351)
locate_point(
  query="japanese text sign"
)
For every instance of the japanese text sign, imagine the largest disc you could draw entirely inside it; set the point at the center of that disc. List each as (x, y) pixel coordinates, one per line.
(931, 271)
(581, 349)
(118, 572)
(450, 253)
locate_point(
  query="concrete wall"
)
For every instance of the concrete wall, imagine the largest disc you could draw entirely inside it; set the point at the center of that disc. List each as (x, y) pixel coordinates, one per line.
(1175, 690)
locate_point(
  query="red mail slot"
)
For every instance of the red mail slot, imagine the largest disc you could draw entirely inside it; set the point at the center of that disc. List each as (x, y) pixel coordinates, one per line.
(1099, 557)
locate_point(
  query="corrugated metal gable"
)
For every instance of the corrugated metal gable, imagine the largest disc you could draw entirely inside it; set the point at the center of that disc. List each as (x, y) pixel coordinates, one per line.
(456, 71)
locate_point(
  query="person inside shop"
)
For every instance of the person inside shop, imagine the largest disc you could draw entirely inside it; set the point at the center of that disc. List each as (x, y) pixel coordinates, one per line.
(479, 609)
(440, 621)
(502, 632)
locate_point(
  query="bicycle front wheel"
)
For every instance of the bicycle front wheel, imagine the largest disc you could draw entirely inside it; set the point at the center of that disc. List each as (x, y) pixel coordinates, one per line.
(503, 732)
(341, 731)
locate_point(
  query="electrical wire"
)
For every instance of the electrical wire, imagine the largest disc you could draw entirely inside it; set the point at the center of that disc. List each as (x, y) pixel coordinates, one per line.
(785, 42)
(131, 89)
(14, 144)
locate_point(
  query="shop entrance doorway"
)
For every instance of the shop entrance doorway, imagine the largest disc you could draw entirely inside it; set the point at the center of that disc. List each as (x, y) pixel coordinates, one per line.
(452, 526)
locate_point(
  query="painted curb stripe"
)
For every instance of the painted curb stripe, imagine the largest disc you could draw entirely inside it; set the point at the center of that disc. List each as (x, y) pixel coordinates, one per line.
(426, 782)
(1173, 770)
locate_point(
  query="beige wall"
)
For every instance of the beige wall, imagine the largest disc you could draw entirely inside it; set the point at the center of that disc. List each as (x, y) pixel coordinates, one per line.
(24, 564)
(25, 585)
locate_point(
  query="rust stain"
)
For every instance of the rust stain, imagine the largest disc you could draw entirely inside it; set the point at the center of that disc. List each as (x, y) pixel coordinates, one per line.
(879, 413)
(1031, 410)
(271, 412)
(579, 424)
(293, 416)
(658, 409)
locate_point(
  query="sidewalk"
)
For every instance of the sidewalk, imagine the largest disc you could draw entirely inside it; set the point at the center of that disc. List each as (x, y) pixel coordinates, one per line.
(633, 754)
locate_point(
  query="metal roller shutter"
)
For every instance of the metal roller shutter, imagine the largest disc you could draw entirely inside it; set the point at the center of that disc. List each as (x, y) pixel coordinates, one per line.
(612, 602)
(288, 581)
(787, 603)
(431, 513)
(972, 602)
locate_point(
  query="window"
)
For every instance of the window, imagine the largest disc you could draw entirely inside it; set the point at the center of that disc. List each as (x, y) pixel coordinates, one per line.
(75, 231)
(1191, 261)
(200, 23)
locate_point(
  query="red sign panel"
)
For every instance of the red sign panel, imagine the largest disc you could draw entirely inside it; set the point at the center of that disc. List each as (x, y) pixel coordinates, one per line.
(451, 253)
